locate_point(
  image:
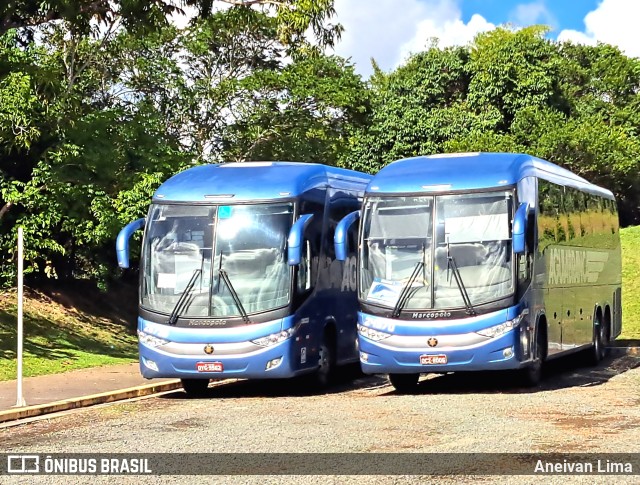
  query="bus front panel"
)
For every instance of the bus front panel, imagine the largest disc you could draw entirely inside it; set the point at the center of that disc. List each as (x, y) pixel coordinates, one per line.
(492, 341)
(264, 350)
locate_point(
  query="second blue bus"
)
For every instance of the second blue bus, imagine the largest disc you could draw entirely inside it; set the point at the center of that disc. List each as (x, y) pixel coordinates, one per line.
(483, 261)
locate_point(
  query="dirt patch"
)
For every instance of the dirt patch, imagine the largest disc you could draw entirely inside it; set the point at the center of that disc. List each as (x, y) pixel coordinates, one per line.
(188, 423)
(604, 424)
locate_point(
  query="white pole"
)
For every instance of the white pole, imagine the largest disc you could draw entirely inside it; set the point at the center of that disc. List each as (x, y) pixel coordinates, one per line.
(20, 398)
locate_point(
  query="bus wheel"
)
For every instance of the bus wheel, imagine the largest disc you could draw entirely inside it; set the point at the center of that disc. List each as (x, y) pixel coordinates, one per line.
(532, 375)
(600, 341)
(195, 387)
(326, 362)
(404, 383)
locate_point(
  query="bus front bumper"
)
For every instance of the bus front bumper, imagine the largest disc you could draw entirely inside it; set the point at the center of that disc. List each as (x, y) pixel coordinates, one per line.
(265, 363)
(495, 354)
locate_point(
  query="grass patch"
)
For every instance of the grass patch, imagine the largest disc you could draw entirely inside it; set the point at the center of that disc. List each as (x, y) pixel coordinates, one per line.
(630, 237)
(61, 337)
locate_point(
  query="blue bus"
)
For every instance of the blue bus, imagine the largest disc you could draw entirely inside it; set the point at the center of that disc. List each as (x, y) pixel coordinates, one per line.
(483, 261)
(238, 275)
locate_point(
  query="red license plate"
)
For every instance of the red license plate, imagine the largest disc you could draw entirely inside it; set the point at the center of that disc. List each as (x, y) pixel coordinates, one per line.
(433, 359)
(209, 367)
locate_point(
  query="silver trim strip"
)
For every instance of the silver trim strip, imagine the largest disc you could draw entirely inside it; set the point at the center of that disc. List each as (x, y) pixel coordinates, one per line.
(444, 341)
(219, 350)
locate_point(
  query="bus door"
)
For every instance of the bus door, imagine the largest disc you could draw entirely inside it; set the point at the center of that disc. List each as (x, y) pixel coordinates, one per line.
(309, 311)
(343, 274)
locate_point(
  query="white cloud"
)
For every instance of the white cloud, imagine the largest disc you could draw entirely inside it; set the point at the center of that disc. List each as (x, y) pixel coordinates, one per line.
(532, 13)
(448, 31)
(576, 37)
(389, 30)
(613, 22)
(376, 29)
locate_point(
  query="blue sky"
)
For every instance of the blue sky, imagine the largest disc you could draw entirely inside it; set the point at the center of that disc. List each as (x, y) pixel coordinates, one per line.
(390, 30)
(561, 14)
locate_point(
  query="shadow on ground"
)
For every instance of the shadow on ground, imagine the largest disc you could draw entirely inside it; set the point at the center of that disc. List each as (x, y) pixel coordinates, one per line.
(569, 371)
(347, 378)
(565, 372)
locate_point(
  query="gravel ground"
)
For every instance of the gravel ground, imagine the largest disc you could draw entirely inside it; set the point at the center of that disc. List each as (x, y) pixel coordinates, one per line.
(575, 410)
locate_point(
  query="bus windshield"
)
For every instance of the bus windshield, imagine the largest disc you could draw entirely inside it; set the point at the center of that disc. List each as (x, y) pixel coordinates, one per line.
(410, 243)
(220, 250)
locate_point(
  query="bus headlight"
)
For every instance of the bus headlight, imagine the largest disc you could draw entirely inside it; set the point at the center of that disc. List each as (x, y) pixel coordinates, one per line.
(371, 333)
(502, 328)
(274, 338)
(150, 340)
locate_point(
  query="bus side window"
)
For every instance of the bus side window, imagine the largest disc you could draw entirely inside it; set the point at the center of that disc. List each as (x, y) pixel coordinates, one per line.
(606, 216)
(594, 214)
(341, 205)
(570, 204)
(548, 217)
(584, 216)
(308, 267)
(527, 194)
(615, 223)
(525, 261)
(562, 221)
(304, 269)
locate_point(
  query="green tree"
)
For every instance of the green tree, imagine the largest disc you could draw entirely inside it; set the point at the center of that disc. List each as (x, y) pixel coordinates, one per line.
(511, 71)
(99, 111)
(414, 109)
(79, 146)
(514, 91)
(305, 111)
(293, 17)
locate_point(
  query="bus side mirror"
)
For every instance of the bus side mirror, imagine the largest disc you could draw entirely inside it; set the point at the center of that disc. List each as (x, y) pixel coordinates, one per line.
(520, 228)
(340, 239)
(122, 242)
(296, 237)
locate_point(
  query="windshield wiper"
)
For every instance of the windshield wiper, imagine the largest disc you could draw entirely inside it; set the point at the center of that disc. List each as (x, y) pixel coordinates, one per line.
(225, 277)
(406, 289)
(181, 303)
(463, 290)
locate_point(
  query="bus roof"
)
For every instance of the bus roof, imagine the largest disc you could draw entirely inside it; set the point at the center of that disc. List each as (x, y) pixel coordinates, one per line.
(253, 181)
(470, 171)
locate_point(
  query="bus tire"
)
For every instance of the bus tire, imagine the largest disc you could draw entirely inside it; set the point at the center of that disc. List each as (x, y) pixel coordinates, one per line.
(404, 383)
(326, 362)
(195, 387)
(600, 341)
(532, 375)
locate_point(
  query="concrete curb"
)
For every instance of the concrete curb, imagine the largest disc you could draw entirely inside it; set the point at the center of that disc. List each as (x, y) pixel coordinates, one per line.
(91, 400)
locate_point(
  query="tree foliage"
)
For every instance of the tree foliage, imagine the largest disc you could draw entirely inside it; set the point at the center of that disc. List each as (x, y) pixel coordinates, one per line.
(84, 17)
(513, 91)
(95, 113)
(101, 101)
